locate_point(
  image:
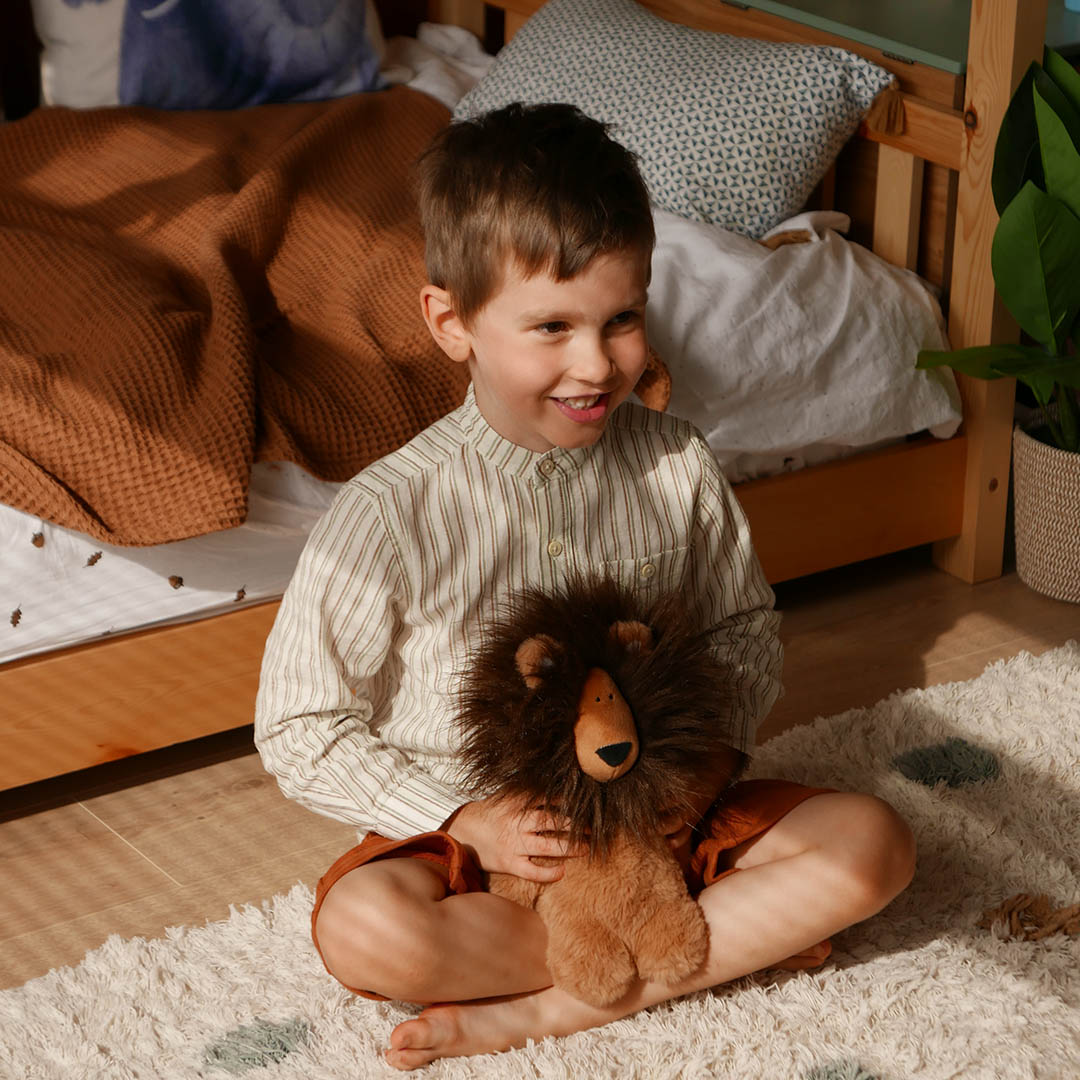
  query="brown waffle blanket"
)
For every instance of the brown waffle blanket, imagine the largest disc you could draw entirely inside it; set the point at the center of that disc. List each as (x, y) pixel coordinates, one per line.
(182, 294)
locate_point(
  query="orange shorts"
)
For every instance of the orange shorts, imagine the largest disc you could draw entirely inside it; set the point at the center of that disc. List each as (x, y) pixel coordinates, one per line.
(748, 809)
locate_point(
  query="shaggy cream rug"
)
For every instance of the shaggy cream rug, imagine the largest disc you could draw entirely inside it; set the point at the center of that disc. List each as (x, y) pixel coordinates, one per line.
(987, 772)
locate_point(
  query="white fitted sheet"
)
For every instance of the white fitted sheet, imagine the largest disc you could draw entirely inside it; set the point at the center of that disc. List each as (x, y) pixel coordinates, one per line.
(59, 587)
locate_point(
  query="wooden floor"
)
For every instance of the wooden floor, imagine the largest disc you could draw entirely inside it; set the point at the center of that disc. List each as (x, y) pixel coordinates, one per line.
(176, 836)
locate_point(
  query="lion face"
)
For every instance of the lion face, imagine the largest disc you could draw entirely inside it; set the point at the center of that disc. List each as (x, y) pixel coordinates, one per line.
(595, 703)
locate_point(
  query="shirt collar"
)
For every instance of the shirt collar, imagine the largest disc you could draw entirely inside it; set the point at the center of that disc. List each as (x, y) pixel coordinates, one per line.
(507, 456)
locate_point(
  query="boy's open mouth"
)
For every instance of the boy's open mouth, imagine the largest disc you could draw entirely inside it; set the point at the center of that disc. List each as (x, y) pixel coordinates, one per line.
(583, 409)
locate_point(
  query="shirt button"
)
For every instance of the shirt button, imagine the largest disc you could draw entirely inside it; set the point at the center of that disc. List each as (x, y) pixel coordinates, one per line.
(647, 571)
(547, 466)
(555, 548)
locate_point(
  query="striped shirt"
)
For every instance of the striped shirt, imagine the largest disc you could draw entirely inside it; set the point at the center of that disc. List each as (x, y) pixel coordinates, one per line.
(355, 712)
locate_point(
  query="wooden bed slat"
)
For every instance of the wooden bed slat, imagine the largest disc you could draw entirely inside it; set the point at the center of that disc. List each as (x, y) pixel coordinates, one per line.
(933, 132)
(94, 703)
(466, 13)
(909, 495)
(898, 207)
(514, 22)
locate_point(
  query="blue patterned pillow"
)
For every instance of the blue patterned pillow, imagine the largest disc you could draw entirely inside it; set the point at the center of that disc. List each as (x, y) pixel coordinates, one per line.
(729, 130)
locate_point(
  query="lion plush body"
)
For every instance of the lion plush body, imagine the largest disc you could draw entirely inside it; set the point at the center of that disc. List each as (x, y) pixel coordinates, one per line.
(605, 707)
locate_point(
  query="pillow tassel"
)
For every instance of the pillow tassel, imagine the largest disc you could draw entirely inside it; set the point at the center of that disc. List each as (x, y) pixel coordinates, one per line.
(886, 113)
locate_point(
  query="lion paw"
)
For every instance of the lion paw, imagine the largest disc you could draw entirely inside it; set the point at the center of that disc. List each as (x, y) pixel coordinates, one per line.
(593, 965)
(673, 942)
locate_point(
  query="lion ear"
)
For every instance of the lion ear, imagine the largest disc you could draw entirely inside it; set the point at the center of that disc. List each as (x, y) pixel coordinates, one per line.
(634, 637)
(535, 659)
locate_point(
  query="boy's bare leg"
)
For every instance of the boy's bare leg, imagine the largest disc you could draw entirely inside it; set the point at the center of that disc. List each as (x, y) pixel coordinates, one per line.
(831, 862)
(390, 927)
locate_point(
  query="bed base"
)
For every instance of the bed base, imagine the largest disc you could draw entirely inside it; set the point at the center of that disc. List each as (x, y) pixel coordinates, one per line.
(109, 699)
(921, 199)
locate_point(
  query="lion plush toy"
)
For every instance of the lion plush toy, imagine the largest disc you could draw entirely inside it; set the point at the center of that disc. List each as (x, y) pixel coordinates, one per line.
(603, 706)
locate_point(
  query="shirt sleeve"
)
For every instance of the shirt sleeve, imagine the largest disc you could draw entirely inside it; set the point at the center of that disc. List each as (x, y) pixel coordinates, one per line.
(735, 600)
(327, 661)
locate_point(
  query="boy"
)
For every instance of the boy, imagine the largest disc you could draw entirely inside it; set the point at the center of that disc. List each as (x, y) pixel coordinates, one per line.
(539, 238)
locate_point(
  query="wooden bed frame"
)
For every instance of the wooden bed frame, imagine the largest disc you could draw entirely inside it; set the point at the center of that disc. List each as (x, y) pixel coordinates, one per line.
(920, 199)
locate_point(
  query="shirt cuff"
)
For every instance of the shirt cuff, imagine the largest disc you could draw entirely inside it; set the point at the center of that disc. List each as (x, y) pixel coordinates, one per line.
(419, 804)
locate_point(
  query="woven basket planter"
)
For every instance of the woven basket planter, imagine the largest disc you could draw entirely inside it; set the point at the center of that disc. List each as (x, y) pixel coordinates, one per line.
(1046, 496)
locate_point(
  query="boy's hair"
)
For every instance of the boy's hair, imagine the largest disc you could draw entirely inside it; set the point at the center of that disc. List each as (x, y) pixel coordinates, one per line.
(542, 185)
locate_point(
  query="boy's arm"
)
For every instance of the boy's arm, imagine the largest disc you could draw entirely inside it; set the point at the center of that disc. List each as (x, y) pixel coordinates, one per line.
(734, 600)
(324, 659)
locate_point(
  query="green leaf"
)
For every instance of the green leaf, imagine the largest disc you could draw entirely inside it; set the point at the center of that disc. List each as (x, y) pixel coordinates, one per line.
(1064, 75)
(1029, 364)
(981, 361)
(1060, 160)
(1070, 422)
(1042, 386)
(1035, 257)
(1016, 151)
(1066, 371)
(1060, 102)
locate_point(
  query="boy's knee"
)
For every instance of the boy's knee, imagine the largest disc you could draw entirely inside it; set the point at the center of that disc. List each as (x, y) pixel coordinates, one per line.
(375, 934)
(878, 851)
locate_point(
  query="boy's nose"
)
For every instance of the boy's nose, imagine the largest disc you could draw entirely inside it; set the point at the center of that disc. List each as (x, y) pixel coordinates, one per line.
(593, 363)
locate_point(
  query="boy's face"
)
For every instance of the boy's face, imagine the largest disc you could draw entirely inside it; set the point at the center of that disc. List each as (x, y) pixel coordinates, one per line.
(550, 360)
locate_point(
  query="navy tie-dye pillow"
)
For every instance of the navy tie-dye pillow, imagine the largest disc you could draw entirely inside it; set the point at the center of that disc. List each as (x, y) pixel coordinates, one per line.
(214, 54)
(205, 54)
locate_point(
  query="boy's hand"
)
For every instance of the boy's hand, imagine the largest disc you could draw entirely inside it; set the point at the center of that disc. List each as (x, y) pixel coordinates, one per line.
(679, 834)
(677, 826)
(505, 838)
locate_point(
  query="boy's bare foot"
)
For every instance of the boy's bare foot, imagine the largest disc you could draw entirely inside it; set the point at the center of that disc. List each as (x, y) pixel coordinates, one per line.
(486, 1026)
(493, 1024)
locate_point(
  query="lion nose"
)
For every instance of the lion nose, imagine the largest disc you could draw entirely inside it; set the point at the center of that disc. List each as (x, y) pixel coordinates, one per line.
(605, 738)
(614, 753)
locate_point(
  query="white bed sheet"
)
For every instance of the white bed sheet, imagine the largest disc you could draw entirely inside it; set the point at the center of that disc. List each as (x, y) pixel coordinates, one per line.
(59, 587)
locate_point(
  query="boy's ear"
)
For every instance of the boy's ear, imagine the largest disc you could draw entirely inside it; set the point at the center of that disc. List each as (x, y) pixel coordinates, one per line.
(444, 323)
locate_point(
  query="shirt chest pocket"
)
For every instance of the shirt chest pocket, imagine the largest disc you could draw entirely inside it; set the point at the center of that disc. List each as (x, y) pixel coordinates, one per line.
(661, 571)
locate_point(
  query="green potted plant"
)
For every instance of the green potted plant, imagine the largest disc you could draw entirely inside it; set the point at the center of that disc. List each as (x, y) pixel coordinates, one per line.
(1035, 257)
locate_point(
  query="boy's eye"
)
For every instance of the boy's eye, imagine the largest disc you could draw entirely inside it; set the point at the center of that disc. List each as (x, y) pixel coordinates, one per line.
(552, 327)
(623, 318)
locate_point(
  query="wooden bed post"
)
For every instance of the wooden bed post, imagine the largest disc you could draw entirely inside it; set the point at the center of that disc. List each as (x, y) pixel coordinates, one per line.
(467, 13)
(1005, 36)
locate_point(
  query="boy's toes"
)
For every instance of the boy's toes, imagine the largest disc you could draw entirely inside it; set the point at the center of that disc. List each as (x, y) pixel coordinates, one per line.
(412, 1044)
(409, 1059)
(813, 957)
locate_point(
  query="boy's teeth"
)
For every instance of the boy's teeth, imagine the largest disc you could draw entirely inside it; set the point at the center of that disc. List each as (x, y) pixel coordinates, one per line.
(581, 402)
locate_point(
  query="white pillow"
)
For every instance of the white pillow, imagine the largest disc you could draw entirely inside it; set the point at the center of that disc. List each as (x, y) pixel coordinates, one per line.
(774, 353)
